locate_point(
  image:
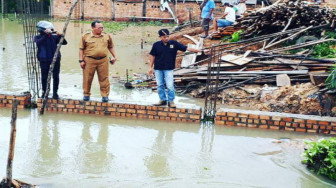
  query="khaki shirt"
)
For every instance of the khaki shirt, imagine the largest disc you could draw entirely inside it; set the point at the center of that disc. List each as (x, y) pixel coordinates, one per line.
(96, 45)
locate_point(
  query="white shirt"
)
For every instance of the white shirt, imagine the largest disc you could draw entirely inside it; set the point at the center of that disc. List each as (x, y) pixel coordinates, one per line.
(241, 8)
(231, 16)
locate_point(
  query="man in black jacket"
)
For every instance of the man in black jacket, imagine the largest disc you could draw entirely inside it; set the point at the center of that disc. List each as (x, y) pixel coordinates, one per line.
(46, 43)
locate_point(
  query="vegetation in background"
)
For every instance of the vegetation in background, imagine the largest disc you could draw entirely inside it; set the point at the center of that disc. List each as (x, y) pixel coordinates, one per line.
(320, 157)
(113, 27)
(331, 80)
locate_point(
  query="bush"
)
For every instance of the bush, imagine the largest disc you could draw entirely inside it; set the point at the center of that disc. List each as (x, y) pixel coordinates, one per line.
(320, 157)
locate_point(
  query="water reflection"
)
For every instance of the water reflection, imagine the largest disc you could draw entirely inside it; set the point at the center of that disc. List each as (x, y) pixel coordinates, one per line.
(92, 155)
(47, 160)
(158, 162)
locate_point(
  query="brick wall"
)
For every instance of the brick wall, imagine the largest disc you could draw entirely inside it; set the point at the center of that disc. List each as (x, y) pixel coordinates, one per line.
(276, 121)
(7, 100)
(123, 110)
(102, 9)
(224, 117)
(93, 9)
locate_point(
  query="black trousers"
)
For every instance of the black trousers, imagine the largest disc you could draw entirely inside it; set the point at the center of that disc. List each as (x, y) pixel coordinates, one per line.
(45, 66)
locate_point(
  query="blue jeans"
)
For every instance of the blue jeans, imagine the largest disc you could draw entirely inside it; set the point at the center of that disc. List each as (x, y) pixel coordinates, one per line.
(165, 77)
(223, 23)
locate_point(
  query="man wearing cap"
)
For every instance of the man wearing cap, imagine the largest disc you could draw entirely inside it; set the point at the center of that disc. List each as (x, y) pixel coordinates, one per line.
(207, 15)
(46, 43)
(93, 51)
(162, 63)
(227, 19)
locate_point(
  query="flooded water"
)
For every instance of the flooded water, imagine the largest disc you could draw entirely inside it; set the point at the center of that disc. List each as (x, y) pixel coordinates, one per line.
(58, 150)
(13, 74)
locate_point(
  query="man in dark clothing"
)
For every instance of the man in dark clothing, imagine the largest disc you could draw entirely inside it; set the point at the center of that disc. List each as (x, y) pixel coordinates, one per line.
(162, 62)
(46, 43)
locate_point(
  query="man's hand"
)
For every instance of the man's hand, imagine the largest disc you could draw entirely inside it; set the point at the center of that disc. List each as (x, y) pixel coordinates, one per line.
(82, 64)
(150, 72)
(48, 31)
(112, 61)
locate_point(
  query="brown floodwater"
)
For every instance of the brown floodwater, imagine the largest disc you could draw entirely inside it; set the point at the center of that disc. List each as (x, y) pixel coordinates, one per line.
(14, 77)
(71, 150)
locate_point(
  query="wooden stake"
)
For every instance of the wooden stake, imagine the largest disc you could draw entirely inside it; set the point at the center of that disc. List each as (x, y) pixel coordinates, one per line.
(44, 101)
(12, 144)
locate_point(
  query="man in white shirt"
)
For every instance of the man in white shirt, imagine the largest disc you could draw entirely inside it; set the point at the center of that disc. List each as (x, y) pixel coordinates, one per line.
(227, 19)
(241, 8)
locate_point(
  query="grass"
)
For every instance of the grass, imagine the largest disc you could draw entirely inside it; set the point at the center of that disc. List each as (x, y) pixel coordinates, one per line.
(113, 27)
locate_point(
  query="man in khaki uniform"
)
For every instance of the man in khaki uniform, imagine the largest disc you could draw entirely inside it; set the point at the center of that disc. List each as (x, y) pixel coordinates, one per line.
(93, 55)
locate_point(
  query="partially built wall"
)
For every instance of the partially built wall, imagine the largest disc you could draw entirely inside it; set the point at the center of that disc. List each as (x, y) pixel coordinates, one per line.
(128, 9)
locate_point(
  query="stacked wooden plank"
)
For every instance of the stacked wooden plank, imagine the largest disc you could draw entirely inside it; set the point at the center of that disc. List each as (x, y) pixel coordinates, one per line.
(282, 16)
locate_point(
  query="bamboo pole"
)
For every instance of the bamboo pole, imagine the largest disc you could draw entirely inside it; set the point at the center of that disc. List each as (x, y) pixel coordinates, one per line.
(45, 98)
(12, 144)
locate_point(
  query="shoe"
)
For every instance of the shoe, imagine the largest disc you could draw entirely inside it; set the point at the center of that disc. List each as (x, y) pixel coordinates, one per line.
(86, 98)
(161, 103)
(204, 36)
(105, 99)
(55, 96)
(171, 104)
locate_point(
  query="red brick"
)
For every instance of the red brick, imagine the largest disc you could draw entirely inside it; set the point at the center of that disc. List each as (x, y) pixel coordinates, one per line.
(221, 113)
(254, 116)
(241, 124)
(299, 120)
(152, 112)
(289, 129)
(220, 122)
(164, 114)
(141, 111)
(236, 119)
(287, 119)
(263, 126)
(311, 131)
(274, 127)
(173, 115)
(70, 106)
(224, 118)
(251, 125)
(195, 117)
(263, 121)
(242, 115)
(133, 111)
(300, 130)
(182, 115)
(311, 121)
(233, 114)
(323, 123)
(265, 117)
(230, 123)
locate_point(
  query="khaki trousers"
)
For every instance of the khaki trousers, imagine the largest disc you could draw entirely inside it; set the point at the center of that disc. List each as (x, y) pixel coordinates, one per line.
(102, 68)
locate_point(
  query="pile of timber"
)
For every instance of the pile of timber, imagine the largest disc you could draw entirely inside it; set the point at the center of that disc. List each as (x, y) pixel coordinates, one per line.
(259, 60)
(259, 68)
(282, 16)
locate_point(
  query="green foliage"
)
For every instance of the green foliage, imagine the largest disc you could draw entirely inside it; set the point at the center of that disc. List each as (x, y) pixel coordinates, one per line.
(320, 157)
(324, 50)
(236, 36)
(113, 27)
(331, 80)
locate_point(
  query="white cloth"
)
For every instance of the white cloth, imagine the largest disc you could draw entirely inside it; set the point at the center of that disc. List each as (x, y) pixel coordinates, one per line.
(231, 16)
(241, 8)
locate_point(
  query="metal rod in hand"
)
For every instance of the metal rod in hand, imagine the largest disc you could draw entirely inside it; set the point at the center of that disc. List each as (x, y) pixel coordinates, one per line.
(45, 97)
(12, 143)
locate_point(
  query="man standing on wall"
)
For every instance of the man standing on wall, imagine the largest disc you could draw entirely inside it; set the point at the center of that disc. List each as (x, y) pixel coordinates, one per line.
(162, 63)
(93, 51)
(207, 15)
(46, 43)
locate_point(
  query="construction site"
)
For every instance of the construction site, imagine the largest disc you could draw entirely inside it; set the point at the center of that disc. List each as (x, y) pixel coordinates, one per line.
(264, 89)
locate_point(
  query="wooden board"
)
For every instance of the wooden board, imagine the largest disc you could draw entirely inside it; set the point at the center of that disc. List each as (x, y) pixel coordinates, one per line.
(237, 60)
